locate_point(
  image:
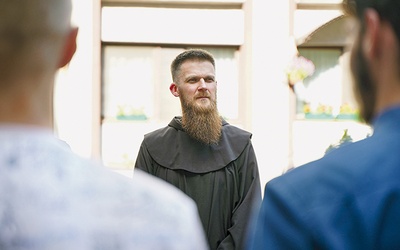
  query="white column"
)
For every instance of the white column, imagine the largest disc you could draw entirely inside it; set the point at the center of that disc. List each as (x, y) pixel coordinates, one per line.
(270, 107)
(76, 90)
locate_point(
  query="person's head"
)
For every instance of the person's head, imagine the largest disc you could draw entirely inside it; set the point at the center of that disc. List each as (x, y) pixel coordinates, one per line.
(375, 60)
(36, 38)
(191, 54)
(194, 82)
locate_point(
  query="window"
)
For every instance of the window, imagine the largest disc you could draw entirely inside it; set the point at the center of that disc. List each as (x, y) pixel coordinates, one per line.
(323, 88)
(136, 97)
(137, 51)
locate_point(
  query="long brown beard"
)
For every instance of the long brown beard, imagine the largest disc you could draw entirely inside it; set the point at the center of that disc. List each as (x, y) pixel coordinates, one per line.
(202, 123)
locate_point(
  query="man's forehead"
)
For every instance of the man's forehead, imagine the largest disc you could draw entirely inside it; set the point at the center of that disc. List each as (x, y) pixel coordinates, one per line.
(197, 67)
(196, 61)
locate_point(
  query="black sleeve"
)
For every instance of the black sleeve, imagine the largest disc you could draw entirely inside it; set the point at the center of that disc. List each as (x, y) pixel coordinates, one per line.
(249, 189)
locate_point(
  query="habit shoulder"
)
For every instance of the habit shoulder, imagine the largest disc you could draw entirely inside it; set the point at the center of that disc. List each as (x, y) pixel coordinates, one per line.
(172, 148)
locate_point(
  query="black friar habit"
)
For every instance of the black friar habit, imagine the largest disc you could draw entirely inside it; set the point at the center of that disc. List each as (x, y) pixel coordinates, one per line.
(222, 179)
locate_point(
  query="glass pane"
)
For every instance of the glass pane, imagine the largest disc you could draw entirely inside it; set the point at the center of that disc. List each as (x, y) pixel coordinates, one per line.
(324, 89)
(167, 105)
(136, 97)
(128, 84)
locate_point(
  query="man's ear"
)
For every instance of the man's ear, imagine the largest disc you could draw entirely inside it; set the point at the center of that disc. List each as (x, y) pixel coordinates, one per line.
(371, 42)
(69, 48)
(174, 89)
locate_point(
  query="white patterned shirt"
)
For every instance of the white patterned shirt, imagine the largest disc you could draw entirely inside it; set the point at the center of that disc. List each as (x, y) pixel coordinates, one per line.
(52, 199)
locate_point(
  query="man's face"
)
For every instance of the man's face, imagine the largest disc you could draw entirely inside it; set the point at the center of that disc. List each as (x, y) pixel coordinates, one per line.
(197, 86)
(197, 90)
(364, 87)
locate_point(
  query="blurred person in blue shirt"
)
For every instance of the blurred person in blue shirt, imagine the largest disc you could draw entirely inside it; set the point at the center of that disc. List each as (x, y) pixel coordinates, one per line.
(350, 198)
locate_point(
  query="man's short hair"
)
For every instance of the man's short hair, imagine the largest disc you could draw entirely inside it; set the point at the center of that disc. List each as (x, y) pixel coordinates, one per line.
(191, 54)
(31, 34)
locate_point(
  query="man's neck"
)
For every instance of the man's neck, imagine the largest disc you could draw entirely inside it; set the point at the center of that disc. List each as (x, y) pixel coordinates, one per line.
(24, 108)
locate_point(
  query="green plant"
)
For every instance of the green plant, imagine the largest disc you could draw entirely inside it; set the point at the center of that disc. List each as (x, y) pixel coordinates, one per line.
(346, 139)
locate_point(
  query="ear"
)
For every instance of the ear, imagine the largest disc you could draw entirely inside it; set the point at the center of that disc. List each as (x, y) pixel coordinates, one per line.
(371, 42)
(174, 89)
(69, 48)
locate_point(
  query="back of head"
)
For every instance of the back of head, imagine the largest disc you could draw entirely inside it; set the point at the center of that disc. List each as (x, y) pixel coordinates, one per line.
(191, 54)
(31, 35)
(387, 9)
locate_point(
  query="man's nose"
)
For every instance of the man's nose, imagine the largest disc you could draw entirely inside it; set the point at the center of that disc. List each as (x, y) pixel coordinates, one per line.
(203, 84)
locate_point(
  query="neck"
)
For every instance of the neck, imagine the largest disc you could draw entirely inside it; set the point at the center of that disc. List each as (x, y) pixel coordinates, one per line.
(387, 79)
(387, 96)
(27, 105)
(385, 69)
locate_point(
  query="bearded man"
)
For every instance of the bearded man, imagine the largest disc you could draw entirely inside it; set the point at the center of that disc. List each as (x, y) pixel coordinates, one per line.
(210, 160)
(350, 198)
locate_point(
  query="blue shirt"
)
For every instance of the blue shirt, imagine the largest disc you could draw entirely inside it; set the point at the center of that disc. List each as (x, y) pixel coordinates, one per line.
(349, 199)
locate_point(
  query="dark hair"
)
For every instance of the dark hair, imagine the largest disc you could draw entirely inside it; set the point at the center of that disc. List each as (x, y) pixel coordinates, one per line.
(191, 54)
(388, 10)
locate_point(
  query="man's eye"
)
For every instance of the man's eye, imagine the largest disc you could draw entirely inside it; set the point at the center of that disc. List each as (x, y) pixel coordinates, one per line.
(210, 80)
